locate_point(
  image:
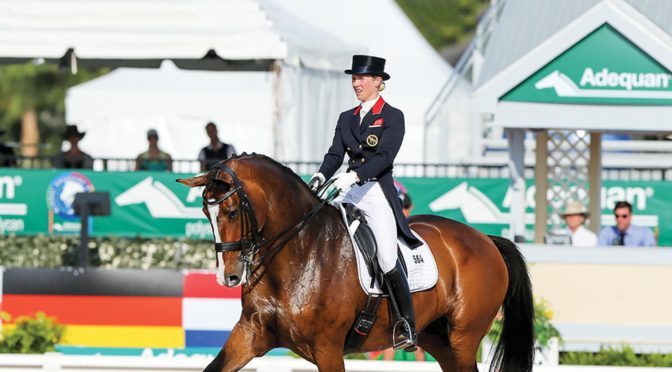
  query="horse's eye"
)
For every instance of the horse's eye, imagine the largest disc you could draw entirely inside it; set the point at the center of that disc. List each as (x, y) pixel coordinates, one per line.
(233, 214)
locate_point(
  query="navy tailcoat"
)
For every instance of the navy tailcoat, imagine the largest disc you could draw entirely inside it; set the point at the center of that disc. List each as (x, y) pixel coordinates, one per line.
(371, 147)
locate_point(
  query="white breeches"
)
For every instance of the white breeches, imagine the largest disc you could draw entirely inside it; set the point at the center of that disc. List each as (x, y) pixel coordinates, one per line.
(371, 200)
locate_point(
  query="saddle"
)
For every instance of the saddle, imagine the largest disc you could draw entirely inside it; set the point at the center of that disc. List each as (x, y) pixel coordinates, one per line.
(421, 270)
(365, 241)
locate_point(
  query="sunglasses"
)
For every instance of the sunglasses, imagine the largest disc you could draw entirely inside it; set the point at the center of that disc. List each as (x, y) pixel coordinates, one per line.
(621, 215)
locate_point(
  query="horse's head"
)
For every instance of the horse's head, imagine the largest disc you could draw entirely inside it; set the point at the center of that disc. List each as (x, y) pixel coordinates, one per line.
(236, 206)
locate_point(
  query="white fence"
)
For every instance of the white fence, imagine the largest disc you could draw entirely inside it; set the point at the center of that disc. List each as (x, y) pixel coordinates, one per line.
(57, 362)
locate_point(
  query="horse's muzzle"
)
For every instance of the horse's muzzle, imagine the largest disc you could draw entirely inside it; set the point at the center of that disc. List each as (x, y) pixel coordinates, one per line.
(232, 280)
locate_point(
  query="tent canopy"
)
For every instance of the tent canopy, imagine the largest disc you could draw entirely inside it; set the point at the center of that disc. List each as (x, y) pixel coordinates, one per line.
(294, 114)
(205, 34)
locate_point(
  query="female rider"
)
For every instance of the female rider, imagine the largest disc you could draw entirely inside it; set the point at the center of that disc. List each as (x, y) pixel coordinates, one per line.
(371, 134)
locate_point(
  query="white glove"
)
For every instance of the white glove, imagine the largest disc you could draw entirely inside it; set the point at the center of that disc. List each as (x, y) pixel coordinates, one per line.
(345, 180)
(316, 181)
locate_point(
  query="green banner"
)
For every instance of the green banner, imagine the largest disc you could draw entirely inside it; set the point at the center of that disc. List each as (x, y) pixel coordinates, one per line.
(142, 203)
(603, 68)
(485, 203)
(152, 204)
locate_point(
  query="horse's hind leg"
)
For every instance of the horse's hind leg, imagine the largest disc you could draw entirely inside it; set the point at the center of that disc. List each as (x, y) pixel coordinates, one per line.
(464, 345)
(434, 340)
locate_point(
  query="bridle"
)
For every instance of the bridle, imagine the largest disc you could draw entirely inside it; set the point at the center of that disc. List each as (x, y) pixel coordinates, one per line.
(250, 236)
(251, 239)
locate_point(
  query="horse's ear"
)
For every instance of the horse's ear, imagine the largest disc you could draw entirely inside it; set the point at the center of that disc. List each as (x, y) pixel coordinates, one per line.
(194, 181)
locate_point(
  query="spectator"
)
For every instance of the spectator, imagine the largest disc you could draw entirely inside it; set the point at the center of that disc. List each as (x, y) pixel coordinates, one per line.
(407, 204)
(575, 215)
(624, 233)
(7, 156)
(74, 157)
(404, 198)
(154, 159)
(216, 151)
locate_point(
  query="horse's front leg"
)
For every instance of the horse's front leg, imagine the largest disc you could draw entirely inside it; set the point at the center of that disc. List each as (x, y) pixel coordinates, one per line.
(329, 359)
(245, 342)
(327, 352)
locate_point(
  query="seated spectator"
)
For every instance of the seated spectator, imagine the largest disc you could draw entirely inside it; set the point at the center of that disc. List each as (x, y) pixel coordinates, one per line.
(624, 233)
(406, 204)
(575, 215)
(404, 198)
(74, 157)
(216, 151)
(7, 156)
(154, 159)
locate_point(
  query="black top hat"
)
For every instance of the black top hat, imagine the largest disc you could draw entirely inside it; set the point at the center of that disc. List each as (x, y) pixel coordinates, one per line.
(368, 65)
(71, 130)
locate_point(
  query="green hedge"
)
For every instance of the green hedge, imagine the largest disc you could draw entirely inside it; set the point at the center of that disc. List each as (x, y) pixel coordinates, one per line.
(109, 253)
(616, 356)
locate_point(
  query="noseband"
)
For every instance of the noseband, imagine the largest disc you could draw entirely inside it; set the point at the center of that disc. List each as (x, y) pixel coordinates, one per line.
(251, 239)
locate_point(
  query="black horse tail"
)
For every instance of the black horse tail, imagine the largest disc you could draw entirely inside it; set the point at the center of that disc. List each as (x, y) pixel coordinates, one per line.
(515, 348)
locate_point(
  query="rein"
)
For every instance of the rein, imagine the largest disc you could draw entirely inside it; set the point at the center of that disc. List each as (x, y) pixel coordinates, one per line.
(251, 240)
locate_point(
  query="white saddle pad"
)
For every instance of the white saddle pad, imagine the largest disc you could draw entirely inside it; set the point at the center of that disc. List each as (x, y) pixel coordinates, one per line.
(422, 271)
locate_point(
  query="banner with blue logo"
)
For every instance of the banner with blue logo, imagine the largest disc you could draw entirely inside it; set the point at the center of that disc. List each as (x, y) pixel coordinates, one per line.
(152, 204)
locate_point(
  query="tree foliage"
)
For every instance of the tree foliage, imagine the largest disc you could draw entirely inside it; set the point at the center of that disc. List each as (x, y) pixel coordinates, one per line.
(41, 88)
(444, 22)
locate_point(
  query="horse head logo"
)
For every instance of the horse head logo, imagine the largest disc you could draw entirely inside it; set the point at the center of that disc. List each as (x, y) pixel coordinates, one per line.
(160, 201)
(563, 85)
(475, 207)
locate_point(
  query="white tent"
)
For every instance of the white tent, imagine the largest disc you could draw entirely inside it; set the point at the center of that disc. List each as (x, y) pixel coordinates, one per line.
(117, 109)
(280, 88)
(298, 122)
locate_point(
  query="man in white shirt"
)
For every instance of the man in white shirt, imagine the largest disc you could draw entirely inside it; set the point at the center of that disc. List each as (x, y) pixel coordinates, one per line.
(575, 215)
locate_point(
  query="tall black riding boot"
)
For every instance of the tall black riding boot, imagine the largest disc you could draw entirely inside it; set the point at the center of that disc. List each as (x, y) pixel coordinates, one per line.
(397, 284)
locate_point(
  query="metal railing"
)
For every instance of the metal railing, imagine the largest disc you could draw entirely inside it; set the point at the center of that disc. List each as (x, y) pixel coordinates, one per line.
(492, 168)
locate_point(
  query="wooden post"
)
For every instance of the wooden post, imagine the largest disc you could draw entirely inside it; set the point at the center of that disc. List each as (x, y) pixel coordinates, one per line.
(541, 183)
(595, 181)
(516, 139)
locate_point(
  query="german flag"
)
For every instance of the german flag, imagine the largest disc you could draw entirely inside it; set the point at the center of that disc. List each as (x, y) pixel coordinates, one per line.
(102, 308)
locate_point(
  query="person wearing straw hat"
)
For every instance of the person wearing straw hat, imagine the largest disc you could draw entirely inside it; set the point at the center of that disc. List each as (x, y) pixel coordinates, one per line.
(575, 215)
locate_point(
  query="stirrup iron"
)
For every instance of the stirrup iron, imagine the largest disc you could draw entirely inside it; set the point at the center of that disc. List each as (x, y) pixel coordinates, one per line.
(399, 339)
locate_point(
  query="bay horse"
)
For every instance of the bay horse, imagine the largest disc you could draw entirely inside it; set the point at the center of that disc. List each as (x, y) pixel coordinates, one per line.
(294, 258)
